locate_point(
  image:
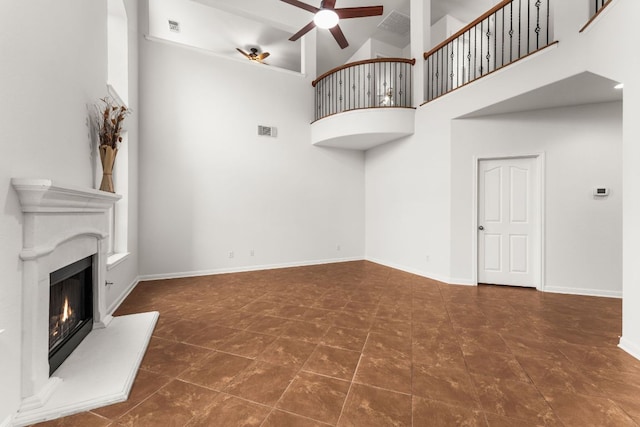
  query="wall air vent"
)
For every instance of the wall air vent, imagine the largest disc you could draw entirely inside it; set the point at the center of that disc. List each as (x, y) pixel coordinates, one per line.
(174, 26)
(267, 131)
(396, 22)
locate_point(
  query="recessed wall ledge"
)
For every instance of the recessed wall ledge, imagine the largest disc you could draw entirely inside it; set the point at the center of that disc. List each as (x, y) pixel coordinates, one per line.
(44, 195)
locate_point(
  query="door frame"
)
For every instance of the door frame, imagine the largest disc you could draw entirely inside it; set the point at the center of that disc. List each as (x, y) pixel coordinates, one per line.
(539, 242)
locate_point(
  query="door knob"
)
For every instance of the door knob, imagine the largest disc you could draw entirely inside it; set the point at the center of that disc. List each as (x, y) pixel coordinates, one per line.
(480, 228)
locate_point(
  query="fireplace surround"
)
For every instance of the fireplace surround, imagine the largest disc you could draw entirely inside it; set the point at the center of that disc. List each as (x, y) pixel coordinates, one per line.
(62, 225)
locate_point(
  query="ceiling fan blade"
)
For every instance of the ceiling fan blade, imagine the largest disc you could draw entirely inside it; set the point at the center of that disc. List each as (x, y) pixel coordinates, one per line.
(329, 4)
(359, 12)
(310, 26)
(301, 5)
(244, 53)
(339, 36)
(263, 55)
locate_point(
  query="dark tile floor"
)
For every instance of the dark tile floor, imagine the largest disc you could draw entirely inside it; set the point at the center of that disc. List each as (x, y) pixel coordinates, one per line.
(358, 344)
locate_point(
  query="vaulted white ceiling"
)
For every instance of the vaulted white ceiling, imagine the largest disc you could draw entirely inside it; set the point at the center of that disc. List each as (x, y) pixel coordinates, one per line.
(221, 26)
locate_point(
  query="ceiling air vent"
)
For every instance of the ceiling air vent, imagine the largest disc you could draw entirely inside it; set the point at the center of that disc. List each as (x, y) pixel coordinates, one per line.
(174, 26)
(267, 131)
(396, 22)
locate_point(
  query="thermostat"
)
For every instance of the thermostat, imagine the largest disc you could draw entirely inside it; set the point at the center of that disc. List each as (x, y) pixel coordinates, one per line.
(601, 192)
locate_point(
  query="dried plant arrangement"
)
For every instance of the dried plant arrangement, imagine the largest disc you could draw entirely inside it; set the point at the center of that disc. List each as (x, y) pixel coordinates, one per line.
(110, 121)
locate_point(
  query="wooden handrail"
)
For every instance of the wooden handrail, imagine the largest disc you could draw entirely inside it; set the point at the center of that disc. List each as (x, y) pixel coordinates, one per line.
(365, 61)
(593, 18)
(468, 27)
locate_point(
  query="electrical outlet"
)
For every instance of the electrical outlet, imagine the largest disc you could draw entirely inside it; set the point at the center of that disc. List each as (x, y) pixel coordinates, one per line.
(231, 254)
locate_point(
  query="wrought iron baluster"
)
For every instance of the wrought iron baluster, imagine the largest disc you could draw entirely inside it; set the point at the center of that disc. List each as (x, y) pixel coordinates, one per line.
(511, 33)
(502, 44)
(481, 45)
(469, 59)
(528, 25)
(441, 73)
(495, 40)
(458, 62)
(488, 56)
(548, 12)
(519, 25)
(475, 50)
(538, 3)
(445, 63)
(347, 89)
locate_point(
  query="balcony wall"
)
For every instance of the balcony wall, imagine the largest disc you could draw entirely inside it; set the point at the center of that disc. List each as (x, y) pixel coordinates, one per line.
(364, 104)
(363, 129)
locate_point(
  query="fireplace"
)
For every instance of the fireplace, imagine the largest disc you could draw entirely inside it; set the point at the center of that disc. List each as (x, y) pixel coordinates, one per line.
(62, 225)
(70, 309)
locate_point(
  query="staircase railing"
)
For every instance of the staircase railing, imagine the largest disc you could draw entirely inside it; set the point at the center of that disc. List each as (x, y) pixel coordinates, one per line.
(374, 83)
(506, 33)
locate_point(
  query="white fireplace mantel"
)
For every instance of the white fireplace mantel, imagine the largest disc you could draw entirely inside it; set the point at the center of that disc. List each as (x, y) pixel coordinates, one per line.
(43, 195)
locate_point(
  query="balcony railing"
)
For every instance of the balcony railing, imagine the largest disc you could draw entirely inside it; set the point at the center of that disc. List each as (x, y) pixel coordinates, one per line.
(599, 4)
(506, 33)
(596, 7)
(374, 83)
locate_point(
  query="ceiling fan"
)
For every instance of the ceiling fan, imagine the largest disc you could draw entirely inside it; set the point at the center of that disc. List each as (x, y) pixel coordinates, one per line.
(327, 16)
(254, 55)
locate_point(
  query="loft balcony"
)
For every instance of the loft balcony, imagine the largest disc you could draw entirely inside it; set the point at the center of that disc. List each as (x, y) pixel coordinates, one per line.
(364, 104)
(368, 103)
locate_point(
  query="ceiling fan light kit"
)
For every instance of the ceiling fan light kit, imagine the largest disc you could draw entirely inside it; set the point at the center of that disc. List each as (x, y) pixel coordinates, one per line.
(326, 18)
(254, 56)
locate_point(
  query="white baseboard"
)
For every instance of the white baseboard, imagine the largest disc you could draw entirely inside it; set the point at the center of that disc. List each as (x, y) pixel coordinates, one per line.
(417, 272)
(114, 306)
(464, 282)
(244, 269)
(630, 347)
(583, 291)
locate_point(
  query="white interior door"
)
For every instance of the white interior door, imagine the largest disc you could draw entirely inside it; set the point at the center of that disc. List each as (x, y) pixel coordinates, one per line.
(507, 221)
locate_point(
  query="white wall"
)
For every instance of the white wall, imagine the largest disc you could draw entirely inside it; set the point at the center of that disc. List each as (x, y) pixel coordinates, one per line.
(210, 185)
(50, 73)
(612, 60)
(363, 53)
(583, 150)
(409, 182)
(385, 50)
(444, 28)
(54, 67)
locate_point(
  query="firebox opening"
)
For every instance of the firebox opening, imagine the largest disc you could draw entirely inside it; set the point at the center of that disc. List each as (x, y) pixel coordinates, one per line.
(70, 309)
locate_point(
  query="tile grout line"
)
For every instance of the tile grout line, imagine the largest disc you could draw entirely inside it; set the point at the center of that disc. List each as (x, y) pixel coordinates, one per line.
(142, 401)
(346, 399)
(273, 408)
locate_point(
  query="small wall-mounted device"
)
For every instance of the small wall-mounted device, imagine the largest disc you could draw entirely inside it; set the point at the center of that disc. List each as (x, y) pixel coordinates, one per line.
(601, 192)
(174, 26)
(267, 131)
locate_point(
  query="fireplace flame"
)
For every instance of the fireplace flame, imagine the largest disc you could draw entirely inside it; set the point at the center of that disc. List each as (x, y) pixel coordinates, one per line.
(66, 310)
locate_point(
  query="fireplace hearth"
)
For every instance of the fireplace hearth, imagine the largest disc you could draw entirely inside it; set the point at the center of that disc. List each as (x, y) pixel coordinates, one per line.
(70, 309)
